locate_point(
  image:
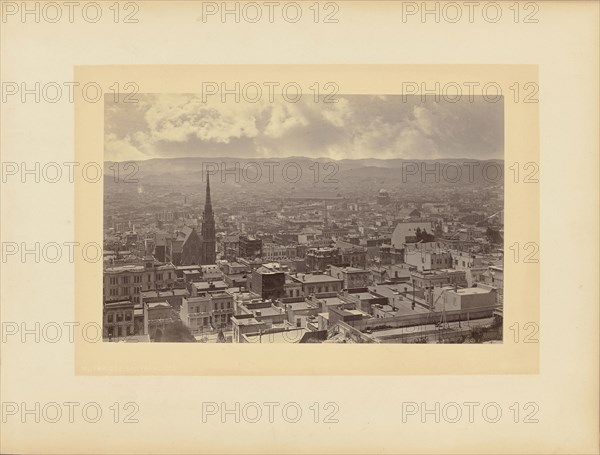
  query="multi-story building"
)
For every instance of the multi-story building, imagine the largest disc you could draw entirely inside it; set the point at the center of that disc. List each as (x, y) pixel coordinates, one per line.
(274, 252)
(267, 283)
(352, 277)
(230, 247)
(249, 247)
(435, 278)
(318, 259)
(427, 256)
(345, 254)
(495, 277)
(157, 315)
(390, 255)
(317, 283)
(406, 232)
(208, 312)
(352, 255)
(126, 282)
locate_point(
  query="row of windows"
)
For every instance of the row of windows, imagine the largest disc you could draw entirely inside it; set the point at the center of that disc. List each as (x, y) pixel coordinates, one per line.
(217, 306)
(125, 291)
(120, 331)
(138, 278)
(119, 317)
(217, 319)
(319, 289)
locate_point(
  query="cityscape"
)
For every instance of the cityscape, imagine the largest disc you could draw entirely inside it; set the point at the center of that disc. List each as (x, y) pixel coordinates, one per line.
(302, 249)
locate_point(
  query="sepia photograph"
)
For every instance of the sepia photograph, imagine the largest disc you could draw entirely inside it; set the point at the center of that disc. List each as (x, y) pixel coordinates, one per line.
(329, 227)
(306, 218)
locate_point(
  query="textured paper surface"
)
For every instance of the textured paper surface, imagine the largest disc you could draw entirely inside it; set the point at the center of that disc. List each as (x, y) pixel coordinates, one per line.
(559, 374)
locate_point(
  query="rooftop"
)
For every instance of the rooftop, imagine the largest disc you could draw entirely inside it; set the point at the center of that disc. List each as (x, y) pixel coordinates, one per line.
(245, 321)
(312, 278)
(158, 305)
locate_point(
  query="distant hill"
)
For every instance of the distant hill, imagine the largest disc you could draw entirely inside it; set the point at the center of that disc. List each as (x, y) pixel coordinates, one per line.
(331, 173)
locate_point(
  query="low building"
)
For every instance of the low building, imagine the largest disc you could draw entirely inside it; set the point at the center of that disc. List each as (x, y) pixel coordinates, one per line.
(469, 298)
(427, 256)
(157, 315)
(172, 296)
(244, 324)
(208, 312)
(204, 288)
(437, 278)
(313, 283)
(118, 319)
(211, 272)
(363, 299)
(351, 277)
(406, 232)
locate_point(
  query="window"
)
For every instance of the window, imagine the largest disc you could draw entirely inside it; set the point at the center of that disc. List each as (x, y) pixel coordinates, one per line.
(125, 280)
(128, 316)
(119, 317)
(110, 318)
(137, 279)
(113, 280)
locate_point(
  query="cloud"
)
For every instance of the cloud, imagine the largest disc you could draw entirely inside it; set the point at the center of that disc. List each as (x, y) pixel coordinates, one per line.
(122, 149)
(357, 126)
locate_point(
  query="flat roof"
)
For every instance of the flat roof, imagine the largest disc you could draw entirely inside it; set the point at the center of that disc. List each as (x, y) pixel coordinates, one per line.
(310, 278)
(366, 295)
(246, 321)
(299, 305)
(471, 291)
(159, 305)
(206, 284)
(329, 300)
(269, 311)
(165, 293)
(286, 336)
(119, 303)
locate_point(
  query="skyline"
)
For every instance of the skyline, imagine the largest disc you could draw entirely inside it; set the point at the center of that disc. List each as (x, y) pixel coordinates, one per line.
(357, 127)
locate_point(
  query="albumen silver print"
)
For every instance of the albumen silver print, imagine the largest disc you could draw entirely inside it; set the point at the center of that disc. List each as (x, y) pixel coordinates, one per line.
(303, 218)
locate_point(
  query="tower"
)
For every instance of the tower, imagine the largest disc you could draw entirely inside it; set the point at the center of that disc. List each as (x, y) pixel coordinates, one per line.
(208, 253)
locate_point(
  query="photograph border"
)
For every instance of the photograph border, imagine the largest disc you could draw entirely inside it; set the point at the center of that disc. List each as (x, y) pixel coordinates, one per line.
(515, 355)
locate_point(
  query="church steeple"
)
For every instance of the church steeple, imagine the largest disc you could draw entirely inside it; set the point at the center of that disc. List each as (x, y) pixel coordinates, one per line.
(208, 203)
(208, 254)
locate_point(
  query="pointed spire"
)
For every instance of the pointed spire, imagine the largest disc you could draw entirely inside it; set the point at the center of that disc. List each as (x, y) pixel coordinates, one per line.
(208, 203)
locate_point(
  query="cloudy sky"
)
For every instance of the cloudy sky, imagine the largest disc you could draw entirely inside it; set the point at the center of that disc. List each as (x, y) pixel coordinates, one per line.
(357, 126)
